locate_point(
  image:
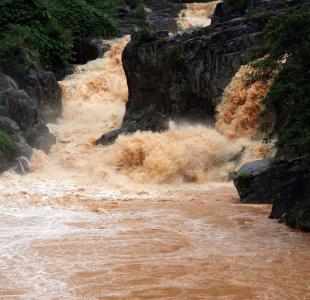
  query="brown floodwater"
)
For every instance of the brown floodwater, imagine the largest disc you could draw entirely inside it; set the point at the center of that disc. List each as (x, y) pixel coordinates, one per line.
(182, 243)
(148, 217)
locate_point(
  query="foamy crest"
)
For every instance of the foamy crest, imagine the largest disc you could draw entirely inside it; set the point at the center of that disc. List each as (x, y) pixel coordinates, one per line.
(94, 103)
(185, 153)
(239, 113)
(196, 14)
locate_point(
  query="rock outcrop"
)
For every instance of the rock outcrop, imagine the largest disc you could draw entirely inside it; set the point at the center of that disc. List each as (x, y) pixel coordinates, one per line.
(157, 16)
(283, 183)
(89, 49)
(250, 182)
(185, 75)
(43, 88)
(21, 115)
(148, 120)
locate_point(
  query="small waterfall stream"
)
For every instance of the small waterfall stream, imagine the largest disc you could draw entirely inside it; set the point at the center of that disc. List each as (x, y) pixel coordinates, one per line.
(149, 217)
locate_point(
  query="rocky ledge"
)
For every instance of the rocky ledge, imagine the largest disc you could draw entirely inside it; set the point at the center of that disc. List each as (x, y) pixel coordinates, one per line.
(184, 76)
(283, 183)
(25, 107)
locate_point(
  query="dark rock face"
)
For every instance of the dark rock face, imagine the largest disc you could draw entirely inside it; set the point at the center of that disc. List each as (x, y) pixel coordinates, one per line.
(184, 76)
(24, 122)
(148, 120)
(249, 185)
(5, 164)
(7, 83)
(23, 111)
(11, 127)
(163, 17)
(62, 72)
(43, 87)
(89, 49)
(284, 183)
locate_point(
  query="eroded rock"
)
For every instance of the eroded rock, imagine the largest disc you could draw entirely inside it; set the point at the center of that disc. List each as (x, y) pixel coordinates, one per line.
(43, 88)
(284, 183)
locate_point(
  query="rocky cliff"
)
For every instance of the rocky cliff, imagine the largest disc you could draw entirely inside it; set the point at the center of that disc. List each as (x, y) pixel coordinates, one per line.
(284, 183)
(25, 109)
(183, 76)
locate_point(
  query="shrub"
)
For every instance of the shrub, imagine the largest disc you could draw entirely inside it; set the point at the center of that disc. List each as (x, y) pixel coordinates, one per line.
(7, 144)
(45, 31)
(287, 57)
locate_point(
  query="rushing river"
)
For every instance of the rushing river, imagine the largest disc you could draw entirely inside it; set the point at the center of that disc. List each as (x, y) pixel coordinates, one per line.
(148, 217)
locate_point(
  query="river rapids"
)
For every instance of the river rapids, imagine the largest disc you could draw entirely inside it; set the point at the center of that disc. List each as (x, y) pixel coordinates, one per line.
(153, 216)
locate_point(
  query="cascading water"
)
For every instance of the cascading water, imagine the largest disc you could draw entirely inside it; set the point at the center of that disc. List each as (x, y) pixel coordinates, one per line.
(131, 221)
(94, 103)
(196, 14)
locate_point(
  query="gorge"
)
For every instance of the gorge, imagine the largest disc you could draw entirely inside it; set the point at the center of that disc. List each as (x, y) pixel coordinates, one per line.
(152, 213)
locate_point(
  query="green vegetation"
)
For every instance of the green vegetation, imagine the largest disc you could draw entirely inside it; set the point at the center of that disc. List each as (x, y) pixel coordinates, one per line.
(286, 53)
(177, 57)
(43, 32)
(4, 110)
(7, 144)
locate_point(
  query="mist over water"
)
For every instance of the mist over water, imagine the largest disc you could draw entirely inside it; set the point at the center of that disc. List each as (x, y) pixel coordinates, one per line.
(94, 103)
(149, 216)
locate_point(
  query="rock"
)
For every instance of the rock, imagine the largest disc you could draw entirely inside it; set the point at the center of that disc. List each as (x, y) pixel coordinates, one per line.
(12, 128)
(248, 181)
(284, 183)
(5, 163)
(163, 17)
(23, 111)
(148, 120)
(40, 138)
(7, 83)
(61, 73)
(110, 137)
(43, 87)
(159, 16)
(254, 168)
(89, 49)
(184, 76)
(22, 165)
(20, 159)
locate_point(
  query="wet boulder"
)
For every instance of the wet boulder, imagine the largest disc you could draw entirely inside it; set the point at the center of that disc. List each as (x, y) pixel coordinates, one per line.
(12, 128)
(43, 88)
(5, 163)
(248, 181)
(7, 83)
(148, 120)
(283, 183)
(90, 49)
(22, 109)
(40, 138)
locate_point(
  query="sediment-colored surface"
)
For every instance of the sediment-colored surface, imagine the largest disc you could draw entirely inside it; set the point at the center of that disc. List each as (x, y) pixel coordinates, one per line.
(182, 244)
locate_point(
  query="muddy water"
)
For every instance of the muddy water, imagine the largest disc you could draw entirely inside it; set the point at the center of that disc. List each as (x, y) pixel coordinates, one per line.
(193, 243)
(92, 223)
(196, 14)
